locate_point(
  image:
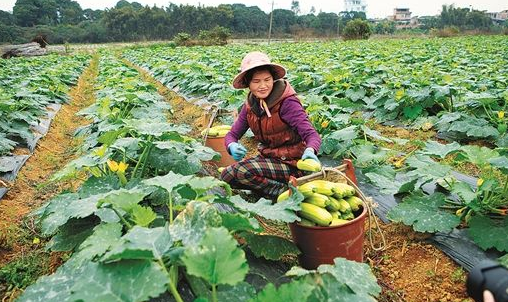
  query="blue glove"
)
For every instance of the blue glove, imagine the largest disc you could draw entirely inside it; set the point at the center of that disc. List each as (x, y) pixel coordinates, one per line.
(309, 153)
(237, 151)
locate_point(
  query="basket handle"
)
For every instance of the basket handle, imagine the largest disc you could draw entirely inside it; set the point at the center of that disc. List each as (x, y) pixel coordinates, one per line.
(215, 110)
(369, 203)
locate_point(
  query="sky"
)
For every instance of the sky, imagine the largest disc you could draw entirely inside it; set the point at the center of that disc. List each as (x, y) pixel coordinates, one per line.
(375, 8)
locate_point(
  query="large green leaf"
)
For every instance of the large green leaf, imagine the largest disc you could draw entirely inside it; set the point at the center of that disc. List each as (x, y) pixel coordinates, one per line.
(388, 182)
(217, 258)
(141, 243)
(239, 222)
(54, 214)
(142, 216)
(440, 150)
(331, 290)
(203, 184)
(500, 162)
(155, 128)
(488, 233)
(296, 290)
(464, 191)
(168, 181)
(55, 287)
(479, 155)
(474, 128)
(345, 134)
(105, 236)
(424, 214)
(368, 153)
(270, 247)
(127, 280)
(125, 199)
(426, 169)
(355, 275)
(72, 234)
(282, 211)
(242, 291)
(190, 225)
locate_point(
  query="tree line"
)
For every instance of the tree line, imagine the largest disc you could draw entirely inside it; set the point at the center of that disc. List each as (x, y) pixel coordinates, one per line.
(63, 21)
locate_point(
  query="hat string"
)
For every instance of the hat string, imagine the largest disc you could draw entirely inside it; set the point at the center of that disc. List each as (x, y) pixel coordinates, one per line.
(262, 104)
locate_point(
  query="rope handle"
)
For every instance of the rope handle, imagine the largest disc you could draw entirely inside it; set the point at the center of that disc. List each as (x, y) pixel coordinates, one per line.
(215, 108)
(367, 200)
(212, 118)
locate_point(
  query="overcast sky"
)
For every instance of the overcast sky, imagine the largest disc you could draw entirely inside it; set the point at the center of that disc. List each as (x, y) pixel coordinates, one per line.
(375, 8)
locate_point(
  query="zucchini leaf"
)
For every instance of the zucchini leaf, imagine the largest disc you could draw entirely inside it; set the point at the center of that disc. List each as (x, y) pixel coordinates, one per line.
(423, 213)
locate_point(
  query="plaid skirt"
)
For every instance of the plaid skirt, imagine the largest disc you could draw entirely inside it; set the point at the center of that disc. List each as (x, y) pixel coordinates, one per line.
(266, 176)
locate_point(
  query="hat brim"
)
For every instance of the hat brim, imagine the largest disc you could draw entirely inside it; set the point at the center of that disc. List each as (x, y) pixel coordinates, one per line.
(239, 83)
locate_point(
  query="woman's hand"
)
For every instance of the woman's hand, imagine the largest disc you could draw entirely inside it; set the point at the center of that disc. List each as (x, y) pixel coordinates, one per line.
(237, 151)
(309, 153)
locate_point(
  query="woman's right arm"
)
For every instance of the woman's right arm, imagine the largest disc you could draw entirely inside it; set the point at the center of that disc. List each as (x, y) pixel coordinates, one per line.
(240, 126)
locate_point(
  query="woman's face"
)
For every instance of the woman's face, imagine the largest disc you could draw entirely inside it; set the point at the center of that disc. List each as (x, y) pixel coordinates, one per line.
(261, 84)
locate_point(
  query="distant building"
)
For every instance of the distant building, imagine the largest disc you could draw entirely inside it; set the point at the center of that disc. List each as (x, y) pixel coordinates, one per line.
(401, 15)
(355, 6)
(402, 18)
(499, 17)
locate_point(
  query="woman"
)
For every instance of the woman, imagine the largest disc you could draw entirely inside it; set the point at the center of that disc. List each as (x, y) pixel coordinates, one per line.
(276, 117)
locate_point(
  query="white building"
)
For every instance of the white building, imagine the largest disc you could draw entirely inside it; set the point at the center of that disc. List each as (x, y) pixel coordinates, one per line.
(355, 6)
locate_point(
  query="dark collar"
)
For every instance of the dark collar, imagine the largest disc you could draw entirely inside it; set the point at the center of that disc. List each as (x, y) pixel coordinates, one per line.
(273, 98)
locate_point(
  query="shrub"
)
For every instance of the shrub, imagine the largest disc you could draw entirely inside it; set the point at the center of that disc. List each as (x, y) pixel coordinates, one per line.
(450, 31)
(357, 29)
(217, 36)
(182, 39)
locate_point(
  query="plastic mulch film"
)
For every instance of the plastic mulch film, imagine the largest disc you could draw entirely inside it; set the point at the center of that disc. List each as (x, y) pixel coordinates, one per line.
(42, 128)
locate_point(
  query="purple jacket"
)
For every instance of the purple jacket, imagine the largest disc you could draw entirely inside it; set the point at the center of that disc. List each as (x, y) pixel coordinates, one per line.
(291, 112)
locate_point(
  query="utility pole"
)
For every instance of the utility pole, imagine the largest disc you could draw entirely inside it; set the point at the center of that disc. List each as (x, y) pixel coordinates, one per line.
(270, 27)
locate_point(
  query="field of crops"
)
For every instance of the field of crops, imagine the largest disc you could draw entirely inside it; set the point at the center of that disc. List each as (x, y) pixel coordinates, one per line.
(136, 212)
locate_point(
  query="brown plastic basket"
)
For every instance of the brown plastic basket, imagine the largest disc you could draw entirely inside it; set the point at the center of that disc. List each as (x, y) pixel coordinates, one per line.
(320, 245)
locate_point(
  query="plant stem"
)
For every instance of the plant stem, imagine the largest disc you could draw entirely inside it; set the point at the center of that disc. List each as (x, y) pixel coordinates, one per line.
(172, 287)
(170, 206)
(214, 293)
(142, 157)
(127, 224)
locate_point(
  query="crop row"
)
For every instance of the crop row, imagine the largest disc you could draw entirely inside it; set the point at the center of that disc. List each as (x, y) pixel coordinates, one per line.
(27, 88)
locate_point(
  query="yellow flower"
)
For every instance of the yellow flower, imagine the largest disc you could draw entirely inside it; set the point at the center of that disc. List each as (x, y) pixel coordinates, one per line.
(500, 114)
(122, 167)
(100, 151)
(36, 240)
(479, 182)
(113, 165)
(324, 124)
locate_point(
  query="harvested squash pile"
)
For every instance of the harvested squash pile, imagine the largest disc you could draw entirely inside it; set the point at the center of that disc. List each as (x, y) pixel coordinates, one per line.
(326, 203)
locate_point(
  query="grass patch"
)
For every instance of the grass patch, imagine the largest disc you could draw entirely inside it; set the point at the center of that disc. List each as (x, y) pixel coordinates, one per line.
(24, 270)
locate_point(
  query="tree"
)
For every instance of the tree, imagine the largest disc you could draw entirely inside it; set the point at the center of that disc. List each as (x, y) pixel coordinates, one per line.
(69, 12)
(6, 18)
(345, 17)
(357, 29)
(283, 19)
(33, 12)
(312, 10)
(295, 7)
(92, 15)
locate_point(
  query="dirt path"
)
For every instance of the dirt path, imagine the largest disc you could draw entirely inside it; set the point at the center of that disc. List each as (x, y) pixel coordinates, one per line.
(22, 255)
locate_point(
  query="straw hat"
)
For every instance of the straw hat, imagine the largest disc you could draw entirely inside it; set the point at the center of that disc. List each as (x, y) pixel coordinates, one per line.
(252, 60)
